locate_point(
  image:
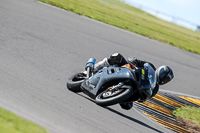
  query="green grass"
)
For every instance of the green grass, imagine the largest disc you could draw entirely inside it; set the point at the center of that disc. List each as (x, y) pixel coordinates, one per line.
(121, 15)
(10, 123)
(188, 113)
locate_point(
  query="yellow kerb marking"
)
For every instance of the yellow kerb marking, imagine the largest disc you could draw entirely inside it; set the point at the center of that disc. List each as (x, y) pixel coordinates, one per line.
(168, 124)
(157, 108)
(192, 100)
(167, 101)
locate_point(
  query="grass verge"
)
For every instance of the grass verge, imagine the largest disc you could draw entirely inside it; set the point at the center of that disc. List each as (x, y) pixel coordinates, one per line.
(189, 113)
(10, 123)
(121, 15)
(188, 117)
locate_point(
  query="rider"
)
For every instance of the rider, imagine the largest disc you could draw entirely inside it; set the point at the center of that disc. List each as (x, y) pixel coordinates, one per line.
(164, 73)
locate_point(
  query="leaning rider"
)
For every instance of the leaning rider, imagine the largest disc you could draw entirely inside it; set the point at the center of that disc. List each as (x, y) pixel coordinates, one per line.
(164, 73)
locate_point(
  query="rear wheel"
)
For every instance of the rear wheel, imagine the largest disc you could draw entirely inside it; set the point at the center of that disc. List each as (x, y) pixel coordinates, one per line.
(110, 97)
(75, 81)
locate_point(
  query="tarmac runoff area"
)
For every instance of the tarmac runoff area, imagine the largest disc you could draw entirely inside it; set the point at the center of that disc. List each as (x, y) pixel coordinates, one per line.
(160, 107)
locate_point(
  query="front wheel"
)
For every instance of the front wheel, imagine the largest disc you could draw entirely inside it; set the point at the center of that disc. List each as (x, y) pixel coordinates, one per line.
(75, 81)
(108, 97)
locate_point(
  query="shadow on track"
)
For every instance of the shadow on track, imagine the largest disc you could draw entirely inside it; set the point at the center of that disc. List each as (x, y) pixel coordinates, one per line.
(125, 116)
(132, 119)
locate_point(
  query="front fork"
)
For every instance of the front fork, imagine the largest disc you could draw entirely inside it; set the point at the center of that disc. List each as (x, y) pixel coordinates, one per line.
(121, 85)
(115, 88)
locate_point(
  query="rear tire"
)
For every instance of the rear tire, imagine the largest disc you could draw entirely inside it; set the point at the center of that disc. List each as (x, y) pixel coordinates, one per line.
(75, 81)
(124, 94)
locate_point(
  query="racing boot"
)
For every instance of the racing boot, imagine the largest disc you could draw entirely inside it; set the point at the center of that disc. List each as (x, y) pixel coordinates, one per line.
(126, 106)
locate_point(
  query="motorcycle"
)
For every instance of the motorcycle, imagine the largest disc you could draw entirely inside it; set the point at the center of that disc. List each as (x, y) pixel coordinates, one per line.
(112, 85)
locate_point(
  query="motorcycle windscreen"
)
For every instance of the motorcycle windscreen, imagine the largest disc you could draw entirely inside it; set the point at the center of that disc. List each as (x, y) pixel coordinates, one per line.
(151, 75)
(147, 81)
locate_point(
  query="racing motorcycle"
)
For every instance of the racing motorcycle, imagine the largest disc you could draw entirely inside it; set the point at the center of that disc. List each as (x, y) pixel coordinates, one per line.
(112, 85)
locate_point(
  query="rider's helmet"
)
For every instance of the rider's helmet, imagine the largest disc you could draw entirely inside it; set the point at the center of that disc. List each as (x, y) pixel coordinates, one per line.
(164, 74)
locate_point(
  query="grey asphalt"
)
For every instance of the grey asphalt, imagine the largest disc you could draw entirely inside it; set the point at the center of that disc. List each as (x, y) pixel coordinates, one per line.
(41, 46)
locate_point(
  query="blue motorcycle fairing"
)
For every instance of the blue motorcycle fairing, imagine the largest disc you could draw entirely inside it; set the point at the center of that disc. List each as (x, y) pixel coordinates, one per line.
(94, 83)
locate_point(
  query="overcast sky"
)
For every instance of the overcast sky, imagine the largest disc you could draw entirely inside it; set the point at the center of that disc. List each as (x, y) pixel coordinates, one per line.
(186, 9)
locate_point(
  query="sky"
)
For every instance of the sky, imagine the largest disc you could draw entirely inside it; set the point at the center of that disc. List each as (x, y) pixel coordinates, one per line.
(184, 12)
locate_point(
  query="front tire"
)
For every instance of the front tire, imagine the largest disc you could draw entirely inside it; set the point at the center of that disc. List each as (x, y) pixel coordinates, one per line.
(75, 81)
(104, 99)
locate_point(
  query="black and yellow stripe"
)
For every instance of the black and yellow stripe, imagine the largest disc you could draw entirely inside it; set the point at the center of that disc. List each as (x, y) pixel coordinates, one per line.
(192, 100)
(168, 124)
(160, 107)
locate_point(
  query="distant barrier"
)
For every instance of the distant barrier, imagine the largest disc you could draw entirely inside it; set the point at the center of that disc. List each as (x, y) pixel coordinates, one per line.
(167, 17)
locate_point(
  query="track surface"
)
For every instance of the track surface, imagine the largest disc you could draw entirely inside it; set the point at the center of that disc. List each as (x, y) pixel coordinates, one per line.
(41, 46)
